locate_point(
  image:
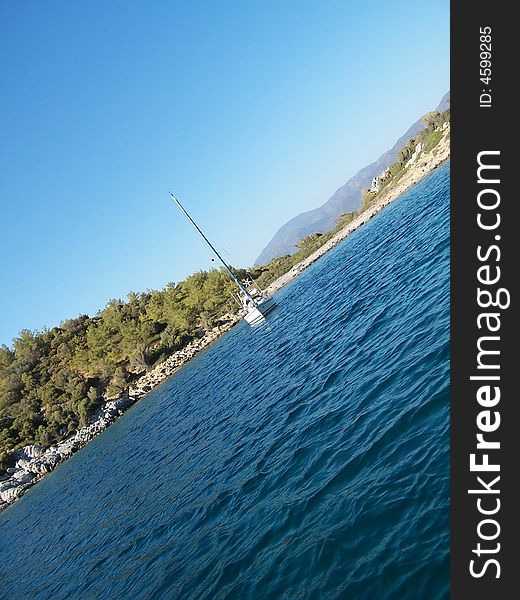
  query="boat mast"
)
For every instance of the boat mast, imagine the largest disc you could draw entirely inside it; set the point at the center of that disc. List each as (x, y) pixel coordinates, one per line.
(226, 266)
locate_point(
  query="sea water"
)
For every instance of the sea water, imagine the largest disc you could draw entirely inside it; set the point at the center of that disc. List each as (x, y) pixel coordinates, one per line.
(305, 458)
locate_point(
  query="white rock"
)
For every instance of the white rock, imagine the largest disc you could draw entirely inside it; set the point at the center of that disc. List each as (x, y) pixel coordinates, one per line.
(24, 464)
(6, 485)
(33, 451)
(12, 493)
(23, 477)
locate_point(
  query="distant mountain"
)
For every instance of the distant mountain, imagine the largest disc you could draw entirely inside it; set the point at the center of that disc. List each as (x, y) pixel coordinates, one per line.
(346, 199)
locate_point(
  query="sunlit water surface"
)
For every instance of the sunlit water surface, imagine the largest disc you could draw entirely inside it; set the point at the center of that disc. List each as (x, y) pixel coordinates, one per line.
(305, 458)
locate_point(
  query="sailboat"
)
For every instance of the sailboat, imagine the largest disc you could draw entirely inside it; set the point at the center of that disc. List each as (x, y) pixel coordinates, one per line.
(255, 307)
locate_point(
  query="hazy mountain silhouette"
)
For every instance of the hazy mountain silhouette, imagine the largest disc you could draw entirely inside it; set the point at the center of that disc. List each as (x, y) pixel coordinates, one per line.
(346, 199)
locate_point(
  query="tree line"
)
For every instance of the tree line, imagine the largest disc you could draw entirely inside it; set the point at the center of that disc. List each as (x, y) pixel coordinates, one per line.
(52, 380)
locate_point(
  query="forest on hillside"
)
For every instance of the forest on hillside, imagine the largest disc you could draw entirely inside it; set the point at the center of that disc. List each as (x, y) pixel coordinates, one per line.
(52, 380)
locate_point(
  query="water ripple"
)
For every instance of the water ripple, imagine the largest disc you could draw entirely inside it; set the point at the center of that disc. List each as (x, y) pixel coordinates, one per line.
(307, 458)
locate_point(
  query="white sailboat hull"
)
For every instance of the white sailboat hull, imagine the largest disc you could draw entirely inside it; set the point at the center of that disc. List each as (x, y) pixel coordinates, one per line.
(255, 309)
(257, 314)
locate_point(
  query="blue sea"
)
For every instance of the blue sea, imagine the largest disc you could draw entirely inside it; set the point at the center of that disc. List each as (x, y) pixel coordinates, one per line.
(306, 458)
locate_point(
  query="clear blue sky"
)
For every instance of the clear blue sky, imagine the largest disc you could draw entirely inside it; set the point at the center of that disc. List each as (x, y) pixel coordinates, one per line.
(250, 111)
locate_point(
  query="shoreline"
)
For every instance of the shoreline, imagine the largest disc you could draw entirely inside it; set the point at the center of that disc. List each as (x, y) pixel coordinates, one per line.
(422, 167)
(34, 462)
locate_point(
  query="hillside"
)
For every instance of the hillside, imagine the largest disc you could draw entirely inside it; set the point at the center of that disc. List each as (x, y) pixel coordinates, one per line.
(61, 387)
(346, 199)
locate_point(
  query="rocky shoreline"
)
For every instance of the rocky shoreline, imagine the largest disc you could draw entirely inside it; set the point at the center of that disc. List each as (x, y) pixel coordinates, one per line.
(34, 462)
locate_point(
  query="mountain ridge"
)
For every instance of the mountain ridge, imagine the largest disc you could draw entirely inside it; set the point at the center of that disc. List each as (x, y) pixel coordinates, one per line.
(346, 198)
